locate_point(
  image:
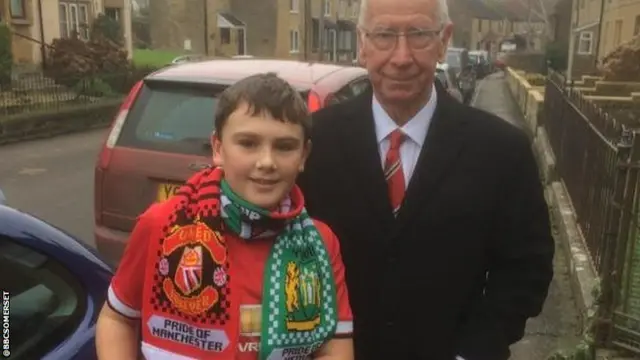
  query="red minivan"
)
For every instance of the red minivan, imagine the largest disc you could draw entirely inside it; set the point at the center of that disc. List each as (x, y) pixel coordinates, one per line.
(160, 136)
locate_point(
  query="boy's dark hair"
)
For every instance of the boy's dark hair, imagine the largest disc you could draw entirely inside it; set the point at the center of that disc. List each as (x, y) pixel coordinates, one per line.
(264, 93)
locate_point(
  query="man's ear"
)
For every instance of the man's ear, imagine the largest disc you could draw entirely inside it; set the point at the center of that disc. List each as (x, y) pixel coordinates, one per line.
(445, 37)
(305, 155)
(216, 146)
(362, 58)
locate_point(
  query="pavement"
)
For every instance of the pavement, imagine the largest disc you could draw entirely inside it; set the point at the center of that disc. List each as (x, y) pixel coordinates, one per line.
(556, 327)
(53, 179)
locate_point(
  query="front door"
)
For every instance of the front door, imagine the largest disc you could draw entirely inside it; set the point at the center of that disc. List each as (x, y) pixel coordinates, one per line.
(241, 41)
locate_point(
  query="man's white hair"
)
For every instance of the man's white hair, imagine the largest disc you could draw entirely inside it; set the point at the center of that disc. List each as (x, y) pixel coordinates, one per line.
(443, 12)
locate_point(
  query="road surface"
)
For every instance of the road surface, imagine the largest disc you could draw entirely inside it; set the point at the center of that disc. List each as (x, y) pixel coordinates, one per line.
(53, 179)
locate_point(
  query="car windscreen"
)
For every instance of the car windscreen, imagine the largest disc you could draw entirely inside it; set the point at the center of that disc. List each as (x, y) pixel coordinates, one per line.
(172, 117)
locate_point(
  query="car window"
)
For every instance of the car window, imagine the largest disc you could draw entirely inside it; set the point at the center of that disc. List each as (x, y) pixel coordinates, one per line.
(361, 85)
(46, 302)
(349, 91)
(172, 117)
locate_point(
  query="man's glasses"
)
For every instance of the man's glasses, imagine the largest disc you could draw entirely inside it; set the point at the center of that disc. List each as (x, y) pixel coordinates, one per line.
(416, 39)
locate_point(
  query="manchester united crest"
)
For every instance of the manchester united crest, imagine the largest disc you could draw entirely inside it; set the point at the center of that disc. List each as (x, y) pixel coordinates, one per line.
(189, 253)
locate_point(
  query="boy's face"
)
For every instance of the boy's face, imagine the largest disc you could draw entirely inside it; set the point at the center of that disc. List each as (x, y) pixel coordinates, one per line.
(261, 156)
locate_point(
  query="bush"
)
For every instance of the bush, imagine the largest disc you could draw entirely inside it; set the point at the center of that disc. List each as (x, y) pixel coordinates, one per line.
(72, 60)
(556, 56)
(623, 63)
(104, 26)
(6, 57)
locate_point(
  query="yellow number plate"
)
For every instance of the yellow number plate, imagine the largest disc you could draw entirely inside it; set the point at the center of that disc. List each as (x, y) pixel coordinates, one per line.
(166, 191)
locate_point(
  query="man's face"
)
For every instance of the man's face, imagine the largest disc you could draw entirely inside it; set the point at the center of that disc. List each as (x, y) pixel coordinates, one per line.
(402, 68)
(261, 156)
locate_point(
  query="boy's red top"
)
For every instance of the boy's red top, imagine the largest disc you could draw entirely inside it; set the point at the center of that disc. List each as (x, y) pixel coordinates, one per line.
(175, 336)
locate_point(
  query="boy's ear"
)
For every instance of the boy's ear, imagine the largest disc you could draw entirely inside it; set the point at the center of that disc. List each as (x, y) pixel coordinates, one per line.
(305, 155)
(216, 146)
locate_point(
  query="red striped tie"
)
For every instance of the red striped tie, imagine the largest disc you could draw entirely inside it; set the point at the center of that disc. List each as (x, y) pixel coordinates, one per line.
(393, 171)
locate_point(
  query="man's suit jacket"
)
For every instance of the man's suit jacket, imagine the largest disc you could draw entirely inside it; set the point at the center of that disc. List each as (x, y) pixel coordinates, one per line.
(469, 257)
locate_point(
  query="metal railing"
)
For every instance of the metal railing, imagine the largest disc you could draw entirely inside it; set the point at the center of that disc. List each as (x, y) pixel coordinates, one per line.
(598, 159)
(29, 92)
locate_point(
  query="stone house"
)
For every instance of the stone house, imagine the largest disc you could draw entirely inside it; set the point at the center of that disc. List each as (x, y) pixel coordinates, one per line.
(34, 24)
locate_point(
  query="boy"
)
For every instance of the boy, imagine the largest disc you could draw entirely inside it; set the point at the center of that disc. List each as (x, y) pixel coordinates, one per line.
(231, 267)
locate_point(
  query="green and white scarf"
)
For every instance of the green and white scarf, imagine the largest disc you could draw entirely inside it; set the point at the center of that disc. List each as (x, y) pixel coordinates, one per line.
(299, 311)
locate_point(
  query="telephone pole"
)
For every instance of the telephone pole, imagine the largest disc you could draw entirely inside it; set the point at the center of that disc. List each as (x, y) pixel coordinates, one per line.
(308, 28)
(321, 36)
(205, 9)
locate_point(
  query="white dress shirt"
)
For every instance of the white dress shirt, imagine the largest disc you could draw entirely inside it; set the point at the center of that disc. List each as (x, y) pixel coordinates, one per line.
(415, 129)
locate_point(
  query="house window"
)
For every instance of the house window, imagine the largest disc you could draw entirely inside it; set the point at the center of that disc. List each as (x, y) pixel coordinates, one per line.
(294, 6)
(617, 33)
(74, 18)
(17, 9)
(64, 21)
(294, 41)
(585, 45)
(327, 7)
(354, 9)
(225, 36)
(636, 26)
(315, 37)
(479, 25)
(343, 8)
(113, 13)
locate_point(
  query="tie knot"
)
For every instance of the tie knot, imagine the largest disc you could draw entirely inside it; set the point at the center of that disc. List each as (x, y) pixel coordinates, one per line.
(396, 138)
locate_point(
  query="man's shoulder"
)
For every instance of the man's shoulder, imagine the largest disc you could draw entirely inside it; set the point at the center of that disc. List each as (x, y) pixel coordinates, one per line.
(332, 115)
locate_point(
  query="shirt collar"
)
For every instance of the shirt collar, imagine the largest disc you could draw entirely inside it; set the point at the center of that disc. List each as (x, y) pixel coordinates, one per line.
(416, 128)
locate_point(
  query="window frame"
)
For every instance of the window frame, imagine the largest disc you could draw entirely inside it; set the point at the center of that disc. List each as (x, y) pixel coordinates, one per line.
(294, 41)
(55, 338)
(22, 8)
(117, 12)
(294, 6)
(74, 21)
(225, 36)
(327, 7)
(64, 25)
(585, 36)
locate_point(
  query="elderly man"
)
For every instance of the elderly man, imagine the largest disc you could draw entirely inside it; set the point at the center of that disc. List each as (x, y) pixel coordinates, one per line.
(442, 221)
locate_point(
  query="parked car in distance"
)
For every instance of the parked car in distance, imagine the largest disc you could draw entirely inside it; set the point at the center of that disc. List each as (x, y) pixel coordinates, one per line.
(457, 59)
(182, 59)
(481, 62)
(56, 286)
(444, 76)
(161, 135)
